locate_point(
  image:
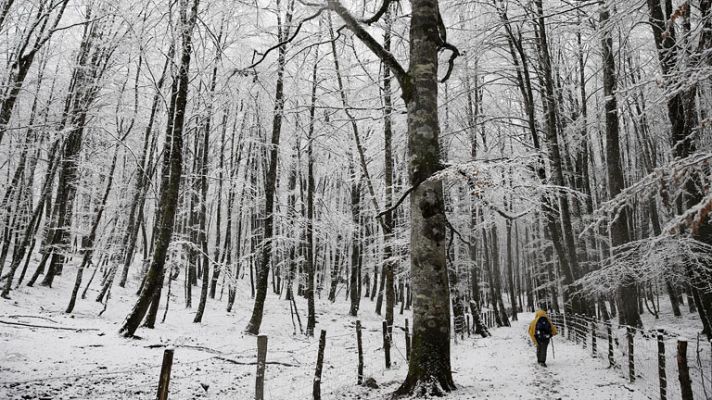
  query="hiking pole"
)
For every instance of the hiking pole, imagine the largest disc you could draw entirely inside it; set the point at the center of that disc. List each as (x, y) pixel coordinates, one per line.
(553, 352)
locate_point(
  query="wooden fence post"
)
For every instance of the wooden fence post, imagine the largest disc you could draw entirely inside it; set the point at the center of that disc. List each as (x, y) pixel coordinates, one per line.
(575, 330)
(630, 333)
(316, 390)
(360, 352)
(582, 331)
(661, 368)
(407, 341)
(594, 350)
(609, 329)
(567, 324)
(683, 370)
(165, 377)
(261, 361)
(386, 344)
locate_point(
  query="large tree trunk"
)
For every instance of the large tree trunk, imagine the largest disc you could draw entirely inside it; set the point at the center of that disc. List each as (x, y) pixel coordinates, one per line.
(429, 366)
(628, 291)
(562, 232)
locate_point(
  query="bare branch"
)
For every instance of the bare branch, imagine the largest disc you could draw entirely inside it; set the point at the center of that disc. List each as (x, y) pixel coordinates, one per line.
(354, 26)
(400, 200)
(444, 44)
(244, 71)
(453, 230)
(505, 214)
(451, 61)
(378, 14)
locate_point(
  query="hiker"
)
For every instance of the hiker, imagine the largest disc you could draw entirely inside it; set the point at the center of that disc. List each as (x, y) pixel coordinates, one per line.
(541, 330)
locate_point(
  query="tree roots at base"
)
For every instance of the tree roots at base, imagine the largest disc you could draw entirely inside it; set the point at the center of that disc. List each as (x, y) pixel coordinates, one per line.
(424, 386)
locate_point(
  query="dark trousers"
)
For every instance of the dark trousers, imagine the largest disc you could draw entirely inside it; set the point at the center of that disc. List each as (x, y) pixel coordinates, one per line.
(541, 351)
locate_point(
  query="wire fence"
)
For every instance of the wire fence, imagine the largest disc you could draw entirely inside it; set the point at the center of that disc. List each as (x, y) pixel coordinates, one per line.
(290, 367)
(660, 364)
(340, 366)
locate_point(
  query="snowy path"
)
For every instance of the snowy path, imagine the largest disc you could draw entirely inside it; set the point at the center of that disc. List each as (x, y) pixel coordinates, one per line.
(504, 367)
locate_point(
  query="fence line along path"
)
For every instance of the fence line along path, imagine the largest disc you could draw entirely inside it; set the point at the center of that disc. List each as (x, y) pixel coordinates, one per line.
(661, 365)
(501, 366)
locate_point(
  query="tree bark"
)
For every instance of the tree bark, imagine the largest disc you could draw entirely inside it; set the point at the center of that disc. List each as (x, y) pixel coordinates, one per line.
(628, 291)
(561, 232)
(172, 167)
(253, 327)
(204, 186)
(91, 238)
(143, 176)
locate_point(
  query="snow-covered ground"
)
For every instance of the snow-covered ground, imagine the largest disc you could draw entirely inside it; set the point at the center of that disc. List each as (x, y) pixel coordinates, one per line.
(215, 360)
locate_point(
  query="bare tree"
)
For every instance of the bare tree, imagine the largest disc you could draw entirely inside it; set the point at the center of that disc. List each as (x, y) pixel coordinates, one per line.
(172, 167)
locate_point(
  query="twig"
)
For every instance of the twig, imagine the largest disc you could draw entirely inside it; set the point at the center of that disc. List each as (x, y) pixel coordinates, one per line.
(63, 328)
(504, 214)
(33, 316)
(400, 200)
(230, 360)
(187, 346)
(458, 233)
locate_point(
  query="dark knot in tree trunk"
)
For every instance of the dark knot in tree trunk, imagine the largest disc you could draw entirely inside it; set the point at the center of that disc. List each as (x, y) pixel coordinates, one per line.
(431, 208)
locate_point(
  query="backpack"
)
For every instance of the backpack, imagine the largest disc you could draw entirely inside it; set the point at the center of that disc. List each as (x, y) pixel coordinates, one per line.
(543, 329)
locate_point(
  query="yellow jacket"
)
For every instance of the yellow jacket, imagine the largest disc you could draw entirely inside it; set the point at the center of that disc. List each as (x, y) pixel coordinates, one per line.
(532, 325)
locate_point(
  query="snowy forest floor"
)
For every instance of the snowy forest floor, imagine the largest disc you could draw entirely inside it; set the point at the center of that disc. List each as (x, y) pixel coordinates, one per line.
(215, 360)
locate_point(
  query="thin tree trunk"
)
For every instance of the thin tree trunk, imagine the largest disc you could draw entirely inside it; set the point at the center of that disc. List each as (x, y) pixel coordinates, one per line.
(253, 327)
(172, 167)
(91, 238)
(355, 243)
(143, 176)
(204, 186)
(628, 291)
